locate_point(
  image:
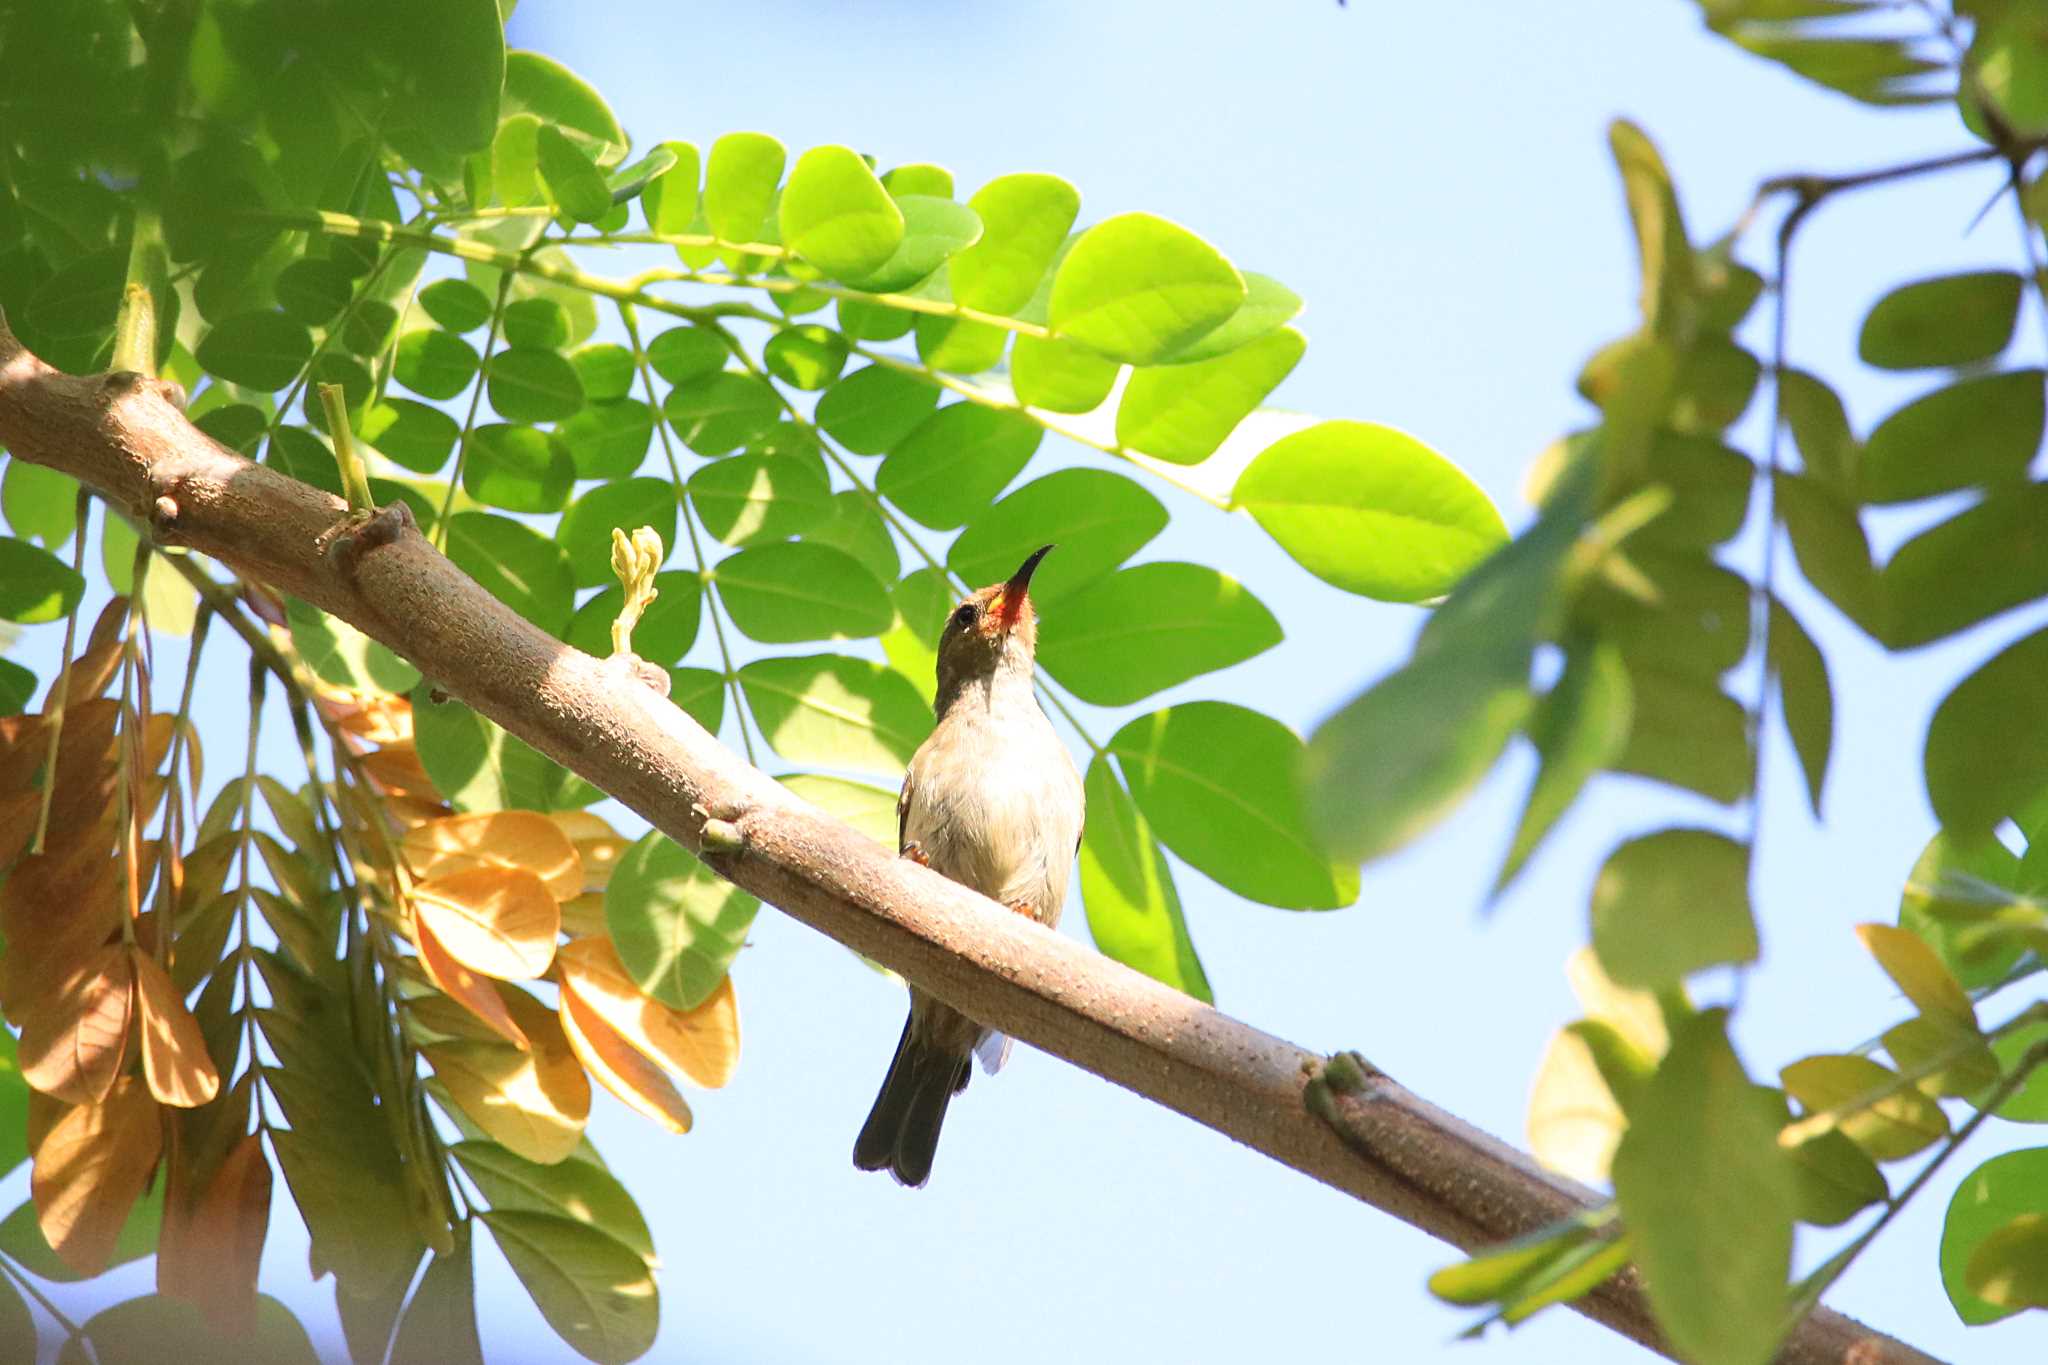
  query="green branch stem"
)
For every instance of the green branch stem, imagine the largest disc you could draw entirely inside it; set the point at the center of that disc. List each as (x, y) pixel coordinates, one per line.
(476, 398)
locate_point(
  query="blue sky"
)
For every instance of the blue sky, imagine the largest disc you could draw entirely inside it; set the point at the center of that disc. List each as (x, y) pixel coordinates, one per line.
(1433, 179)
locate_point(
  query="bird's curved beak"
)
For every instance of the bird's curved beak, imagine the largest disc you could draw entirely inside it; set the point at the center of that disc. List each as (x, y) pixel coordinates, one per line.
(1010, 605)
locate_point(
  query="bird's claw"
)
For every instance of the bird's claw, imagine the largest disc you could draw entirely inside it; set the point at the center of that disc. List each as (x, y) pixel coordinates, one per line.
(915, 852)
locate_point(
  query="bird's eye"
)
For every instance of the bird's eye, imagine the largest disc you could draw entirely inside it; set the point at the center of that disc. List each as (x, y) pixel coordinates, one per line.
(965, 615)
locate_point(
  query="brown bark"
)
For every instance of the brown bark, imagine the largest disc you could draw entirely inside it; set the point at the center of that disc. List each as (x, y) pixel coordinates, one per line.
(1354, 1128)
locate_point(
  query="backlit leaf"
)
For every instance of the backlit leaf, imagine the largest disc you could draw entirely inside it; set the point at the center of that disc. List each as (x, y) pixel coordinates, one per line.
(837, 216)
(174, 1056)
(575, 1188)
(1096, 518)
(832, 711)
(259, 350)
(533, 1102)
(1182, 413)
(1134, 912)
(1670, 903)
(620, 1067)
(497, 920)
(871, 410)
(1141, 630)
(1137, 288)
(677, 924)
(956, 461)
(2005, 1187)
(1988, 742)
(90, 1168)
(598, 1295)
(1578, 728)
(1919, 974)
(701, 1043)
(1025, 218)
(35, 585)
(753, 498)
(791, 591)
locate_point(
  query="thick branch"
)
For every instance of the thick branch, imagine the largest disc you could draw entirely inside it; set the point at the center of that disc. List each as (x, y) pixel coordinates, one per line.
(1355, 1129)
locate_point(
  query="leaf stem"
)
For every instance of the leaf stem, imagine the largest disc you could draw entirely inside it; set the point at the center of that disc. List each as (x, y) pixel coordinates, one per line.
(476, 398)
(60, 695)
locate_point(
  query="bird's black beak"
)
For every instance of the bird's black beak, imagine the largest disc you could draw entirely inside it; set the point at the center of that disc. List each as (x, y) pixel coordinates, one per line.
(1015, 588)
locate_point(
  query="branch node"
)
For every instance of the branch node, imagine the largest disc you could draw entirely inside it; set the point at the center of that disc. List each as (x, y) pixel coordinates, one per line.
(722, 836)
(355, 535)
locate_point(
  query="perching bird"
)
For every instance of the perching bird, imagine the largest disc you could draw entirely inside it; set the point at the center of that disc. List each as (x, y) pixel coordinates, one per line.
(991, 800)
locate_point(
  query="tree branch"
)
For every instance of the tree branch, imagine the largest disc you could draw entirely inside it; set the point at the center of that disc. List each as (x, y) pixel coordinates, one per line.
(1351, 1127)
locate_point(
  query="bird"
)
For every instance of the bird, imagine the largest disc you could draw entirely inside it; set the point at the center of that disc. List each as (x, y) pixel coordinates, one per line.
(992, 800)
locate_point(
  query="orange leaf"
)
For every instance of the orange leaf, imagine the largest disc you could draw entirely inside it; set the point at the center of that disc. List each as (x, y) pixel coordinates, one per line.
(505, 838)
(397, 769)
(221, 1240)
(380, 720)
(500, 921)
(597, 844)
(174, 1055)
(89, 1170)
(72, 1046)
(620, 1068)
(18, 815)
(702, 1044)
(464, 986)
(1919, 974)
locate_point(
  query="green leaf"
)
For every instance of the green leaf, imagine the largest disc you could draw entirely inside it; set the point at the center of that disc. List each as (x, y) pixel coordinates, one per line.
(1687, 732)
(576, 1188)
(807, 357)
(1217, 782)
(17, 686)
(921, 601)
(543, 87)
(40, 503)
(670, 199)
(1713, 386)
(1144, 629)
(1820, 428)
(678, 925)
(313, 291)
(666, 631)
(152, 1328)
(35, 585)
(956, 461)
(1661, 240)
(1710, 486)
(21, 1238)
(934, 228)
(959, 345)
(1025, 219)
(1708, 1198)
(17, 1325)
(586, 529)
(2010, 1266)
(871, 810)
(479, 767)
(791, 591)
(457, 305)
(1807, 700)
(14, 1102)
(532, 385)
(1134, 913)
(2001, 1189)
(518, 565)
(258, 350)
(340, 654)
(537, 323)
(1696, 627)
(837, 216)
(1268, 306)
(719, 413)
(439, 1326)
(862, 321)
(515, 161)
(518, 468)
(1984, 560)
(1060, 376)
(832, 711)
(1138, 288)
(700, 693)
(2029, 1103)
(1182, 413)
(753, 498)
(1987, 745)
(919, 178)
(1096, 518)
(855, 526)
(739, 184)
(1837, 1180)
(1580, 727)
(415, 435)
(598, 1295)
(608, 440)
(433, 363)
(1942, 897)
(682, 354)
(1670, 903)
(1833, 552)
(575, 186)
(872, 410)
(1976, 431)
(1953, 320)
(1370, 510)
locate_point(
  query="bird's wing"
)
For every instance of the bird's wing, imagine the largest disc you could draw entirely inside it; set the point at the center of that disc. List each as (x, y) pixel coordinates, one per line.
(903, 814)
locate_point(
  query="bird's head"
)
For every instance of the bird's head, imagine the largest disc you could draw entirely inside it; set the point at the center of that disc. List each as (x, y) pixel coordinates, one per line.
(993, 627)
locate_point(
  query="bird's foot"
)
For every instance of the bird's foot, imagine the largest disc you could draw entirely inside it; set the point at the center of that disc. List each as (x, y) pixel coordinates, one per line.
(1023, 908)
(915, 852)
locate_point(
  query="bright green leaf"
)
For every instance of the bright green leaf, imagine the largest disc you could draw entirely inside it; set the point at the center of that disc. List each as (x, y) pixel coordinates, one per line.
(837, 216)
(1268, 306)
(608, 440)
(2001, 1189)
(739, 184)
(434, 364)
(1060, 376)
(678, 925)
(1025, 219)
(1144, 629)
(1182, 413)
(791, 591)
(624, 504)
(1134, 913)
(456, 305)
(518, 468)
(719, 413)
(519, 566)
(805, 357)
(1138, 288)
(543, 87)
(872, 410)
(956, 461)
(532, 385)
(836, 712)
(934, 229)
(1096, 518)
(752, 498)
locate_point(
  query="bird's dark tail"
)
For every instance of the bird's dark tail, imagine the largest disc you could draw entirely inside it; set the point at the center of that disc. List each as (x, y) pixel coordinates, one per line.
(902, 1131)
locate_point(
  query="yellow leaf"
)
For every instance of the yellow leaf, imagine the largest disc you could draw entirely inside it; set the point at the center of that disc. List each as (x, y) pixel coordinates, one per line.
(398, 770)
(620, 1068)
(464, 986)
(500, 921)
(72, 1046)
(1919, 973)
(505, 838)
(1884, 1116)
(533, 1103)
(1631, 1013)
(2010, 1266)
(702, 1044)
(1574, 1122)
(174, 1056)
(90, 1168)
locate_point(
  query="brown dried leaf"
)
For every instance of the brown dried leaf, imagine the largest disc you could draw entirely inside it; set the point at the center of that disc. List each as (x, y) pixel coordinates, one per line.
(506, 838)
(57, 909)
(460, 984)
(174, 1054)
(621, 1068)
(74, 1043)
(90, 1168)
(702, 1044)
(220, 1242)
(18, 815)
(496, 920)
